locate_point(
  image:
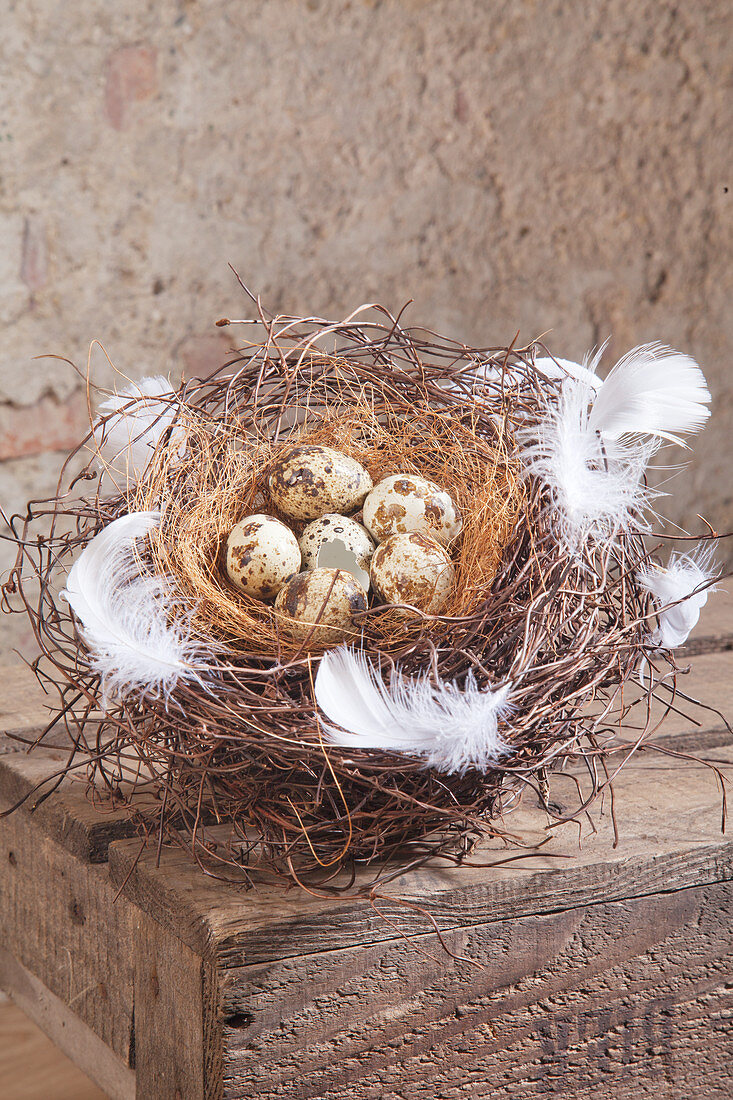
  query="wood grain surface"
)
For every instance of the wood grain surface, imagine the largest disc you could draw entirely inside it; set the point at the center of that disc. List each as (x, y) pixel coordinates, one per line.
(626, 998)
(61, 923)
(82, 825)
(25, 709)
(169, 1015)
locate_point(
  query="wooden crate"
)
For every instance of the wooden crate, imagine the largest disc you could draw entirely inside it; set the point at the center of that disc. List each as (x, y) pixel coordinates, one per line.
(604, 971)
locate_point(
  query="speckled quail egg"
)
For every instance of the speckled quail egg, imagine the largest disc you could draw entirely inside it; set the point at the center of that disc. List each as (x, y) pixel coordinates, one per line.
(413, 568)
(333, 526)
(261, 555)
(318, 606)
(306, 482)
(406, 502)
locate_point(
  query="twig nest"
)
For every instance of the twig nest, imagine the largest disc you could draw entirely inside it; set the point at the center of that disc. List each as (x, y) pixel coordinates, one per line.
(333, 526)
(318, 606)
(261, 555)
(432, 687)
(413, 568)
(406, 502)
(308, 481)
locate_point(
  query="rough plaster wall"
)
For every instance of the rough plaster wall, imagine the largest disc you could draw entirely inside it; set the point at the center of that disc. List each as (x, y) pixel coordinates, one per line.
(509, 165)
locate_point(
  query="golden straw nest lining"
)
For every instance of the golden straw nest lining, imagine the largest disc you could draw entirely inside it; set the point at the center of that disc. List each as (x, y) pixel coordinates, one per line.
(225, 477)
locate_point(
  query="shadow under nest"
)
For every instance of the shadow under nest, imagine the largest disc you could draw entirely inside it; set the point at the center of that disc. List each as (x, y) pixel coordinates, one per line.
(235, 762)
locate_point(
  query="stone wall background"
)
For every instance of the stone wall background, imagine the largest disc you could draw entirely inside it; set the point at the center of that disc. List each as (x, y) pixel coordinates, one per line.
(558, 167)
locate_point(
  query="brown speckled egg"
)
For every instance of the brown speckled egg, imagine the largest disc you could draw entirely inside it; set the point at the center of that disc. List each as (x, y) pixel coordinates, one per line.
(261, 555)
(317, 607)
(406, 502)
(332, 526)
(413, 568)
(306, 482)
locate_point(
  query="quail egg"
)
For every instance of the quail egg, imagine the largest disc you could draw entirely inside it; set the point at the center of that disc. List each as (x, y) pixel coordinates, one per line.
(332, 526)
(413, 568)
(261, 555)
(406, 502)
(318, 606)
(306, 482)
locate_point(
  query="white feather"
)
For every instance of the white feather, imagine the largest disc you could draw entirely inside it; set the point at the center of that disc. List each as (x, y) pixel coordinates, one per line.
(136, 644)
(596, 485)
(557, 370)
(133, 423)
(652, 391)
(452, 729)
(592, 446)
(680, 591)
(554, 370)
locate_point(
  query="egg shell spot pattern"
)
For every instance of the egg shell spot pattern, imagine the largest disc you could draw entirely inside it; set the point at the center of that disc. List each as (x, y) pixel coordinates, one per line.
(262, 554)
(318, 606)
(332, 526)
(406, 502)
(308, 481)
(414, 569)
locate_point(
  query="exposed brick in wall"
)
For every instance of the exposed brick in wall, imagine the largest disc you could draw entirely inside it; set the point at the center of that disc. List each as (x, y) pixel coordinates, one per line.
(49, 425)
(547, 166)
(33, 265)
(131, 77)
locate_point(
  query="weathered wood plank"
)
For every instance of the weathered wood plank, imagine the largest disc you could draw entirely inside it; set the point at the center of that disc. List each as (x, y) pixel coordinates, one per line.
(100, 960)
(66, 1030)
(71, 818)
(213, 1033)
(25, 709)
(59, 920)
(668, 840)
(707, 679)
(210, 913)
(630, 998)
(169, 1016)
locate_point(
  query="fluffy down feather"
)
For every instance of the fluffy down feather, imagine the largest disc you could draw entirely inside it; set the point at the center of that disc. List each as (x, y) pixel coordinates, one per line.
(452, 729)
(126, 618)
(593, 444)
(133, 422)
(555, 370)
(596, 485)
(680, 592)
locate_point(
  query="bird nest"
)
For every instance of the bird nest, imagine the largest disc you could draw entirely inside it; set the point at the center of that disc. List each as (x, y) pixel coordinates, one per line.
(243, 764)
